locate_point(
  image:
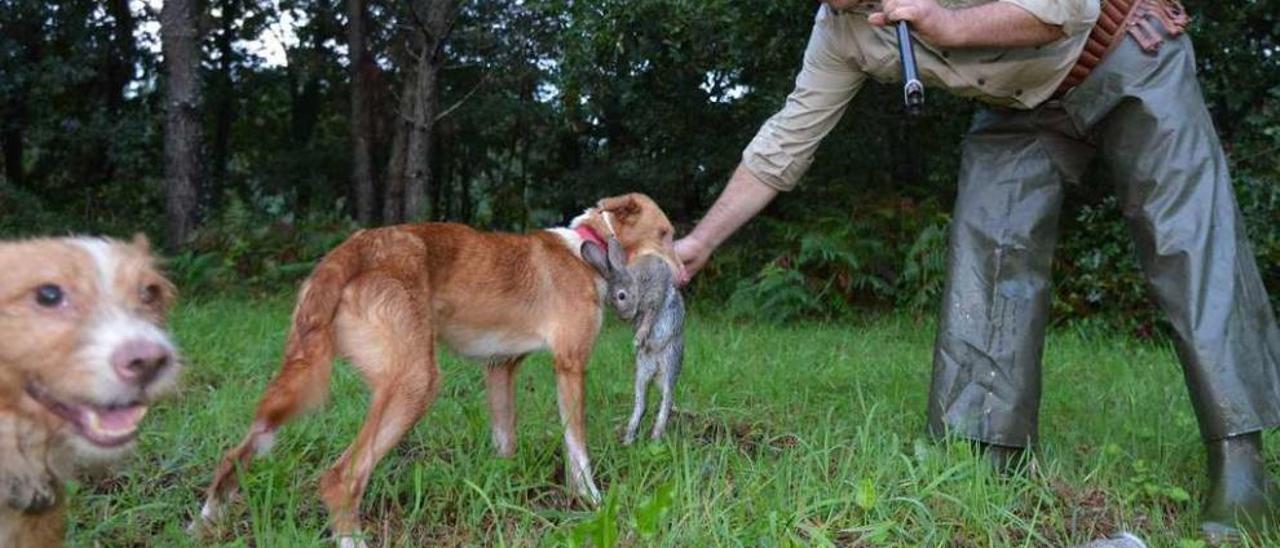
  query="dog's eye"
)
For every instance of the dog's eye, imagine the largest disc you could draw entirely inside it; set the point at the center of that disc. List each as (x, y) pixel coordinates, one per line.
(49, 295)
(149, 293)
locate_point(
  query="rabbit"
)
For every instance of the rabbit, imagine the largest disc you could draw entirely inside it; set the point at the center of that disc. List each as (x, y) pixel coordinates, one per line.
(644, 293)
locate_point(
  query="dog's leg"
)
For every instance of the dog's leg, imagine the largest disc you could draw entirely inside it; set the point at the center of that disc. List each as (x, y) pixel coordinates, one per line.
(381, 329)
(645, 369)
(500, 386)
(27, 484)
(570, 377)
(21, 529)
(299, 385)
(225, 484)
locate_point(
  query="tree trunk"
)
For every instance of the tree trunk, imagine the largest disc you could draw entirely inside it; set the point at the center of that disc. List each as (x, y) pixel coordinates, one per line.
(417, 181)
(434, 20)
(183, 134)
(361, 113)
(439, 178)
(224, 109)
(393, 193)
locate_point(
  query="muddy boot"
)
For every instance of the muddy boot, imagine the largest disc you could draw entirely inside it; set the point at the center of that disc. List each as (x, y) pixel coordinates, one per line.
(1241, 493)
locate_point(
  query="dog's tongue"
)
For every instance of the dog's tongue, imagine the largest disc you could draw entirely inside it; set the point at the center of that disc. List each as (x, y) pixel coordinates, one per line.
(120, 419)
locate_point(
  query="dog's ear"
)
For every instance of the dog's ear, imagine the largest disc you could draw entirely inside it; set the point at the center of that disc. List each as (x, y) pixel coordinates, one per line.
(621, 207)
(141, 242)
(594, 256)
(617, 255)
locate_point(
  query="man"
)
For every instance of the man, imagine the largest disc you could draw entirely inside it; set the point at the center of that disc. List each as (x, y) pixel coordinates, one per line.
(1065, 83)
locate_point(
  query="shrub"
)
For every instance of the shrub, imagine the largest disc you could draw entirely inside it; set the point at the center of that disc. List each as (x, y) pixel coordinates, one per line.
(258, 245)
(893, 253)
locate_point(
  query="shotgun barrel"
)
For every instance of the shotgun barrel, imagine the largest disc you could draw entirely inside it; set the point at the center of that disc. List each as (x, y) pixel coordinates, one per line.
(912, 87)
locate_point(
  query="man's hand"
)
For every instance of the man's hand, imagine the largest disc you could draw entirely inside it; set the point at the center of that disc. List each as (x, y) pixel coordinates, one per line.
(693, 254)
(930, 21)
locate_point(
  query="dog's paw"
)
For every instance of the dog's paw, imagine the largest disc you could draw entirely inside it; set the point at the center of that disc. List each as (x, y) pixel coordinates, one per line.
(29, 492)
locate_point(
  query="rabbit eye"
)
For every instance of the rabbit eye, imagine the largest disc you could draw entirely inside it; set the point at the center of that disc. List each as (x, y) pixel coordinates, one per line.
(622, 295)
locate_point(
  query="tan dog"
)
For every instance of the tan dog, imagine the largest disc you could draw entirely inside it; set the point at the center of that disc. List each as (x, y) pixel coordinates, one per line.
(385, 297)
(83, 351)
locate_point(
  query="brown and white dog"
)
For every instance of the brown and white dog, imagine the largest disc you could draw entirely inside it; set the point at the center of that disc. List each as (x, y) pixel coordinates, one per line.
(385, 297)
(83, 351)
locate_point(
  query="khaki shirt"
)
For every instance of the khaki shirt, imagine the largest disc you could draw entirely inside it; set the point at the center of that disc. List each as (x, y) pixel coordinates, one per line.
(844, 50)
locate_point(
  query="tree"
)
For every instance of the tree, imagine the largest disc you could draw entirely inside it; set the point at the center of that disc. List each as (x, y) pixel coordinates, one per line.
(184, 135)
(223, 102)
(362, 70)
(431, 21)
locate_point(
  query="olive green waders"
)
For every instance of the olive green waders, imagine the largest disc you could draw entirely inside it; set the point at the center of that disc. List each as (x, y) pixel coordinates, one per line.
(1143, 115)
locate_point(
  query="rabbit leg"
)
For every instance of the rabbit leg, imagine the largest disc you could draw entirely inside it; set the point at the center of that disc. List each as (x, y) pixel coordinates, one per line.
(668, 367)
(645, 368)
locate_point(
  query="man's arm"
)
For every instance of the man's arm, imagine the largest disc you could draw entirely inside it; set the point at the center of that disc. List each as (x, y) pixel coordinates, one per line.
(740, 200)
(997, 24)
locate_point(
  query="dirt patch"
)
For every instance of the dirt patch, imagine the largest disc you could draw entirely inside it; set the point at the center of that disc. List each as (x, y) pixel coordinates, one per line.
(751, 438)
(1087, 513)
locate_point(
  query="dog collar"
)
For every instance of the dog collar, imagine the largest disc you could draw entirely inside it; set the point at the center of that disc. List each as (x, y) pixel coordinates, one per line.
(589, 234)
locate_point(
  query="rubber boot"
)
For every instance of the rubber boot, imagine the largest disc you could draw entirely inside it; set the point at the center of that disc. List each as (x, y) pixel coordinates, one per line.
(1241, 493)
(1005, 460)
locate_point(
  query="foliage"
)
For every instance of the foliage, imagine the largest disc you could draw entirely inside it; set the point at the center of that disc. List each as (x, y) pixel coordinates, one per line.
(258, 245)
(546, 106)
(1097, 268)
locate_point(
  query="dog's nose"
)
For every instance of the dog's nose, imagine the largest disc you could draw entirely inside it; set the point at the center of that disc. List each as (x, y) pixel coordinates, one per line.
(140, 360)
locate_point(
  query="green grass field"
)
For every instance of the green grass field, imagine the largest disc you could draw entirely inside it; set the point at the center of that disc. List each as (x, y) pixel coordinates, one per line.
(808, 434)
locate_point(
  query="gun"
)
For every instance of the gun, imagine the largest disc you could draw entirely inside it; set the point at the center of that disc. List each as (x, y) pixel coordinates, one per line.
(912, 88)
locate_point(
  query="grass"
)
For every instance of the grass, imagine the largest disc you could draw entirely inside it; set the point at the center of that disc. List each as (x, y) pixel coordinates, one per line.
(806, 434)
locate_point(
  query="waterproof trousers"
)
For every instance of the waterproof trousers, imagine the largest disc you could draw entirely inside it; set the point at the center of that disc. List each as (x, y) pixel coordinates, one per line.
(1143, 115)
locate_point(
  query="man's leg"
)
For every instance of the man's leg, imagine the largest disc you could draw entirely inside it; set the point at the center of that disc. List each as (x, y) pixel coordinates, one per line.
(1173, 182)
(986, 367)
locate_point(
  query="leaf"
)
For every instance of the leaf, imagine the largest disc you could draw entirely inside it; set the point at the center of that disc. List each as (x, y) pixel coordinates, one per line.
(866, 496)
(1177, 494)
(601, 530)
(649, 514)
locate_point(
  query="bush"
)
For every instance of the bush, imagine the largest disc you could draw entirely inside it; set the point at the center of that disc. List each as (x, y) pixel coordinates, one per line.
(881, 254)
(258, 245)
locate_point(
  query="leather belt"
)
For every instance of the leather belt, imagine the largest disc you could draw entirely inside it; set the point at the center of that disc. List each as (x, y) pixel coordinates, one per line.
(1117, 18)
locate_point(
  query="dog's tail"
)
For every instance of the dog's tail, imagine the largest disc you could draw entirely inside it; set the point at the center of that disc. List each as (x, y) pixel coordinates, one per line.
(302, 383)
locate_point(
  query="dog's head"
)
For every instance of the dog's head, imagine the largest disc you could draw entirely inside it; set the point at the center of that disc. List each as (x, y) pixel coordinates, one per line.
(84, 348)
(638, 224)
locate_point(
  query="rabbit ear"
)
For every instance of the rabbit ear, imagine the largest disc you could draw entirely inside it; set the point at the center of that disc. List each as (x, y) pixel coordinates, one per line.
(594, 256)
(617, 255)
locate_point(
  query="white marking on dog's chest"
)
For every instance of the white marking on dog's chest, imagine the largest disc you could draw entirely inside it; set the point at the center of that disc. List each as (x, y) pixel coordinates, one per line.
(574, 242)
(571, 238)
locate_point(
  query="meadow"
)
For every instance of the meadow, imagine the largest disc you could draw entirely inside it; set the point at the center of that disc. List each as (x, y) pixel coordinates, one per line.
(806, 434)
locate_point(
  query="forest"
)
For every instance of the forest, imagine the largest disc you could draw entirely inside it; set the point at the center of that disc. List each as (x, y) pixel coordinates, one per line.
(249, 136)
